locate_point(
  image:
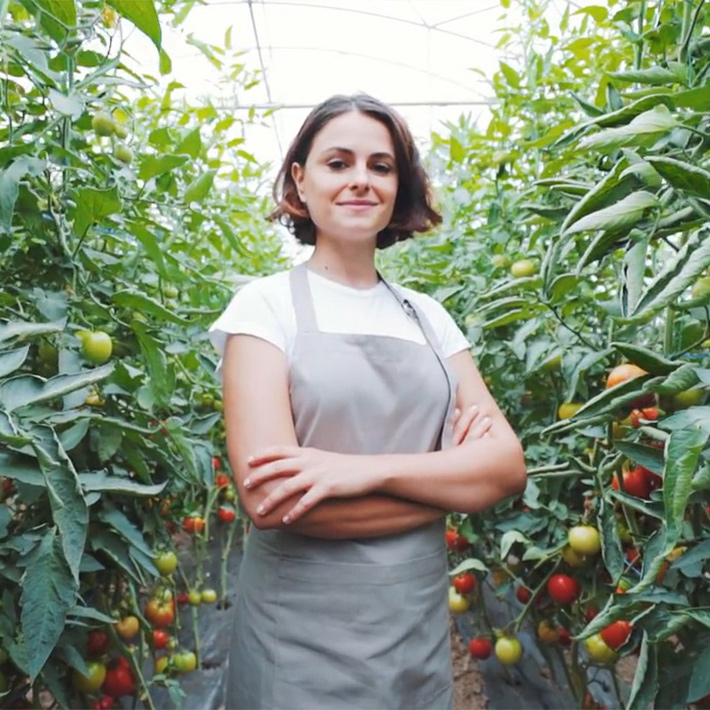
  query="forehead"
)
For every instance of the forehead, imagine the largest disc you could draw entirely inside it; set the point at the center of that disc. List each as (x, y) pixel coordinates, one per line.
(354, 131)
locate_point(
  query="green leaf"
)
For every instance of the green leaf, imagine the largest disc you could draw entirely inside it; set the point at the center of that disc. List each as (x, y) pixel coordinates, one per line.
(620, 215)
(145, 304)
(153, 165)
(23, 329)
(92, 205)
(511, 76)
(645, 683)
(700, 679)
(646, 456)
(88, 612)
(509, 539)
(678, 274)
(109, 442)
(611, 544)
(72, 105)
(646, 359)
(683, 176)
(162, 378)
(49, 590)
(191, 144)
(69, 510)
(22, 469)
(644, 130)
(124, 527)
(197, 190)
(11, 360)
(682, 454)
(469, 564)
(682, 379)
(675, 74)
(29, 389)
(693, 418)
(609, 190)
(57, 17)
(458, 154)
(633, 271)
(143, 15)
(10, 186)
(106, 541)
(102, 482)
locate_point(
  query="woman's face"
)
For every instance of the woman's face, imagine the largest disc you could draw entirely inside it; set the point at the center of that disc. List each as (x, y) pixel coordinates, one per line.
(349, 181)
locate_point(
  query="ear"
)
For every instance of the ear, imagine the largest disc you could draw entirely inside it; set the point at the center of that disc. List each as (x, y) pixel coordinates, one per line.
(297, 173)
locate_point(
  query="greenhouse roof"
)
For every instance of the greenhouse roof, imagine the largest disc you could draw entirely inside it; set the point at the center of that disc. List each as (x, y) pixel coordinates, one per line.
(429, 58)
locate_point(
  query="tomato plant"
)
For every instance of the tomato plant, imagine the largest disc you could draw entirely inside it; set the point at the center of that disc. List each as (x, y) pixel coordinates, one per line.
(93, 680)
(166, 562)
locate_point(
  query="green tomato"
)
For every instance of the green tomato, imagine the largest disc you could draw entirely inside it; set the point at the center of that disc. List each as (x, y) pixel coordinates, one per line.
(185, 661)
(458, 604)
(701, 287)
(508, 650)
(123, 153)
(166, 562)
(194, 597)
(97, 347)
(500, 261)
(599, 651)
(523, 268)
(208, 596)
(92, 682)
(584, 539)
(103, 124)
(688, 398)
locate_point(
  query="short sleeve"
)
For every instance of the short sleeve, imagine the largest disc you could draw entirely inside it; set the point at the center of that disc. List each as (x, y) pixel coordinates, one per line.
(248, 313)
(451, 338)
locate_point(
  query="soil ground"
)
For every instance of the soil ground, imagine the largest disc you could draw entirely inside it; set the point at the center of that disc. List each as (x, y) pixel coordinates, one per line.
(469, 691)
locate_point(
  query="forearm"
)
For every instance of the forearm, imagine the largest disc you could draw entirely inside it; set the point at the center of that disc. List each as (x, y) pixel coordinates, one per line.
(352, 518)
(468, 479)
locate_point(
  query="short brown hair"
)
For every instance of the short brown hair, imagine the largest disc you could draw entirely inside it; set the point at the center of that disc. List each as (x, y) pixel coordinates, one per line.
(413, 211)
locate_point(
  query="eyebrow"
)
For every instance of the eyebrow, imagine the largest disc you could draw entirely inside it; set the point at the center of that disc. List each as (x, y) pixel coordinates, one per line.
(337, 149)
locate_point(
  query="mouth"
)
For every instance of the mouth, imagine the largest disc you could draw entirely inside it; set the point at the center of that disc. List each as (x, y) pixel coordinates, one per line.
(357, 203)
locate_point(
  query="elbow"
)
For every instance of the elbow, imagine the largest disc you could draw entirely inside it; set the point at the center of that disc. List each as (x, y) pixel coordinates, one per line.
(517, 471)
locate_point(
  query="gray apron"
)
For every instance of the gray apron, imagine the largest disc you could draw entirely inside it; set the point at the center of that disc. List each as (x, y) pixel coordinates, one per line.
(350, 623)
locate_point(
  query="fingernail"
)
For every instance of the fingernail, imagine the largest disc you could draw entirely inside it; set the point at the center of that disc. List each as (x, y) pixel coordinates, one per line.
(247, 482)
(260, 510)
(250, 459)
(286, 519)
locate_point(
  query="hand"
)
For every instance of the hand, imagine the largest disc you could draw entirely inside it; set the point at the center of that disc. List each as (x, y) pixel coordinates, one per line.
(470, 424)
(318, 474)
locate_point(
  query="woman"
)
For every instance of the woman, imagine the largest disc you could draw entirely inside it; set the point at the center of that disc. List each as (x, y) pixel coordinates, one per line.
(341, 393)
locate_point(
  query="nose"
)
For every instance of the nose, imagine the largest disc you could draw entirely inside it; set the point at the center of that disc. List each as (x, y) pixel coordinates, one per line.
(360, 177)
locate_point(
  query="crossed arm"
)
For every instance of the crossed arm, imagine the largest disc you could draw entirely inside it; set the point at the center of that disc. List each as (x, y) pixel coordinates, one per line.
(324, 494)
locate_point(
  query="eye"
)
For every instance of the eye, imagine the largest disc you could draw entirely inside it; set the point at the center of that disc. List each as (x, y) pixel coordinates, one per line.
(336, 164)
(383, 168)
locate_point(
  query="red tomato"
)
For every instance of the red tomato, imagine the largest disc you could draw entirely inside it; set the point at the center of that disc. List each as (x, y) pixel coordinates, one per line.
(563, 589)
(226, 513)
(480, 648)
(221, 480)
(160, 613)
(105, 703)
(193, 523)
(456, 542)
(523, 595)
(590, 612)
(119, 680)
(160, 638)
(563, 636)
(216, 463)
(96, 643)
(633, 557)
(637, 482)
(616, 634)
(648, 413)
(464, 583)
(183, 598)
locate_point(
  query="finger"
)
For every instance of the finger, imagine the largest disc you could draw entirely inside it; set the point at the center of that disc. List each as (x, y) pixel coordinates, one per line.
(464, 423)
(282, 493)
(270, 471)
(481, 428)
(308, 501)
(272, 453)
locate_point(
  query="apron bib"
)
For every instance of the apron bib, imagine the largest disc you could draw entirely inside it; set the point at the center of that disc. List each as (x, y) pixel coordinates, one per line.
(350, 623)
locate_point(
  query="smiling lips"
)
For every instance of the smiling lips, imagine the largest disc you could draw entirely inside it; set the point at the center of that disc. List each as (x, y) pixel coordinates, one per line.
(357, 204)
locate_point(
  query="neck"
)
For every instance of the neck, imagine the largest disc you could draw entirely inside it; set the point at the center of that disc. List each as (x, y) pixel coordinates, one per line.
(353, 266)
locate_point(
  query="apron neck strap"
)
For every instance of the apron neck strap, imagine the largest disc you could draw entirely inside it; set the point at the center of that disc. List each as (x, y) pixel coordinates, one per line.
(302, 300)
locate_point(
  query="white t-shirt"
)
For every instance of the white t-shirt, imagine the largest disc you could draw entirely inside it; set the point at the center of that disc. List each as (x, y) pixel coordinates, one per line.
(264, 308)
